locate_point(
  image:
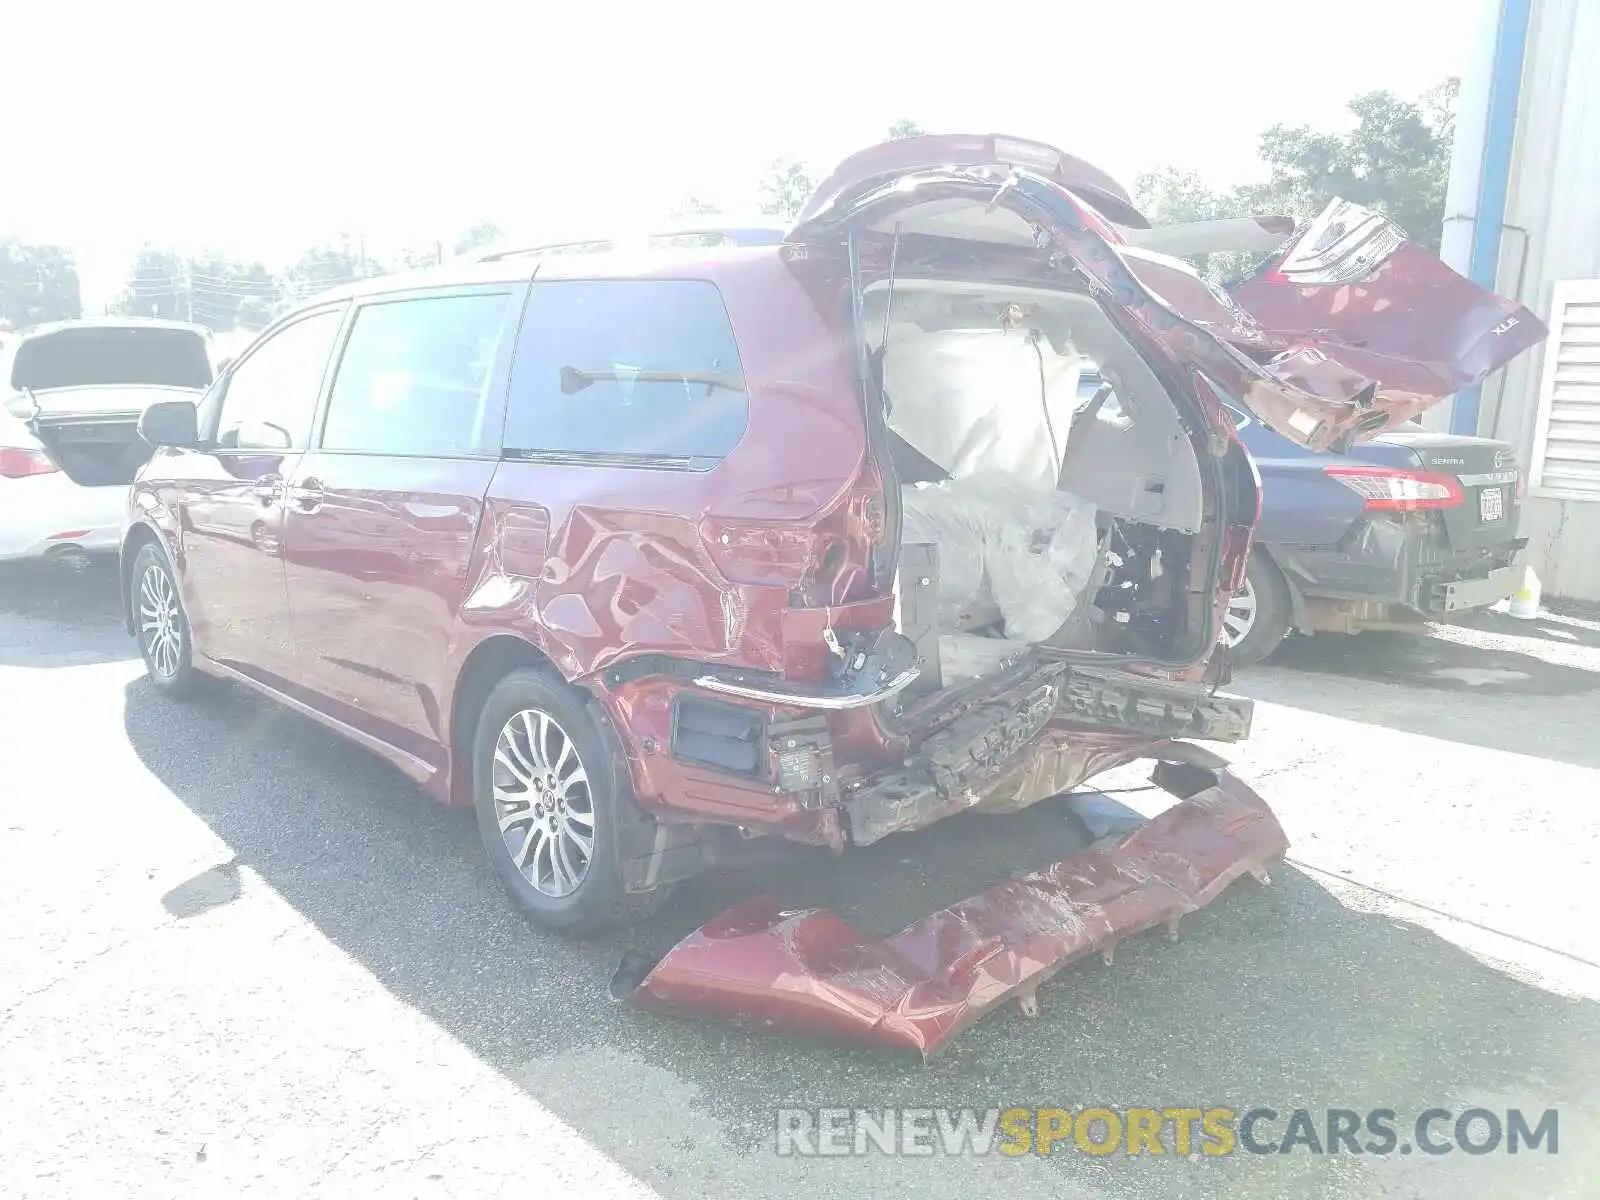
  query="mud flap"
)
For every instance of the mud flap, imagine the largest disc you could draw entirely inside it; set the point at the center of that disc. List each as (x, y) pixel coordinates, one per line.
(812, 972)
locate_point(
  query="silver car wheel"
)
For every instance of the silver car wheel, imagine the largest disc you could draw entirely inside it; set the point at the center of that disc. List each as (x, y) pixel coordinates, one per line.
(543, 803)
(160, 622)
(1240, 618)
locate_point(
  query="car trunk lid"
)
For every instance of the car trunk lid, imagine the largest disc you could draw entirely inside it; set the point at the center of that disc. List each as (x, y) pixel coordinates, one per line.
(1350, 330)
(1486, 473)
(80, 387)
(92, 433)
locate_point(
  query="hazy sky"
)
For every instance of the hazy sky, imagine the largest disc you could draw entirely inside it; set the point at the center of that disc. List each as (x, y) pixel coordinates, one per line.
(258, 133)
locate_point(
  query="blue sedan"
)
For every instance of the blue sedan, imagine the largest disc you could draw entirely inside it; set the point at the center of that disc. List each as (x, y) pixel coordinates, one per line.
(1410, 527)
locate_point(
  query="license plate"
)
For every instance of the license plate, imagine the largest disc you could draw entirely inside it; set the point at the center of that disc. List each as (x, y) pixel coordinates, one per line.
(1492, 504)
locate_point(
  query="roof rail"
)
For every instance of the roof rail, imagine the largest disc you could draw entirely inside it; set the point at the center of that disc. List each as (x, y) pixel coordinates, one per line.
(711, 231)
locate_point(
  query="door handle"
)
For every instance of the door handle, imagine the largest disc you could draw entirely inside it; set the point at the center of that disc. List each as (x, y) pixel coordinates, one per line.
(308, 495)
(268, 489)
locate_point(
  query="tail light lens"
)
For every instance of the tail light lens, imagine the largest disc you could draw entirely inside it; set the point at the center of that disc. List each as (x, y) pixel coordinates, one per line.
(1394, 489)
(18, 463)
(879, 525)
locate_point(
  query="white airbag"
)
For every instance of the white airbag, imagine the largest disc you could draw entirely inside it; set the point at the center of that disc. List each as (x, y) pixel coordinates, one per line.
(971, 400)
(1023, 551)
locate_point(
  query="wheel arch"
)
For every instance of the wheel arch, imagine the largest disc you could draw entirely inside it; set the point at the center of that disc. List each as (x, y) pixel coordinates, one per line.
(137, 535)
(490, 661)
(1300, 615)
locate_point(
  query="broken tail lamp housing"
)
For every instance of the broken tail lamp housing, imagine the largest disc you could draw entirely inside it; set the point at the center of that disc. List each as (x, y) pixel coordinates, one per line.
(1395, 489)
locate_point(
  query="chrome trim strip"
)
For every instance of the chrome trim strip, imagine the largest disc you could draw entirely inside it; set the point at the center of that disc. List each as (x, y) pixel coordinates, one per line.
(813, 700)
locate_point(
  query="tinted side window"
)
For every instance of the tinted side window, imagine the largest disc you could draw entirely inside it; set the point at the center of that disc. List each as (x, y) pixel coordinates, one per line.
(271, 396)
(629, 368)
(414, 377)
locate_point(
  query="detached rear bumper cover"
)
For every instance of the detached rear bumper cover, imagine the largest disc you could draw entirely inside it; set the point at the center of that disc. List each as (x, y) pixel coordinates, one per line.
(812, 972)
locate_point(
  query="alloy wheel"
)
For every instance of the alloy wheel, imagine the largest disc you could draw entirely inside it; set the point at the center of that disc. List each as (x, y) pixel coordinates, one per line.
(160, 622)
(543, 803)
(1240, 618)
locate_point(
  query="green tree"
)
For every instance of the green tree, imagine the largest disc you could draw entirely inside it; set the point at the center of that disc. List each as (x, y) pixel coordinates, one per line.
(255, 312)
(329, 264)
(1169, 196)
(484, 233)
(1396, 160)
(210, 289)
(785, 190)
(158, 286)
(222, 288)
(693, 206)
(421, 258)
(905, 128)
(37, 283)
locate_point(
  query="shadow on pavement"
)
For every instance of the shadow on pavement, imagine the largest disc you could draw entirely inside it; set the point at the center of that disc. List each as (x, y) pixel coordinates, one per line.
(1519, 687)
(1282, 997)
(1441, 663)
(1563, 629)
(53, 614)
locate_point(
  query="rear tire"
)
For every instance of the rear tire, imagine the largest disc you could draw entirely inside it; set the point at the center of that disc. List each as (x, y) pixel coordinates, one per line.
(161, 625)
(1259, 614)
(549, 793)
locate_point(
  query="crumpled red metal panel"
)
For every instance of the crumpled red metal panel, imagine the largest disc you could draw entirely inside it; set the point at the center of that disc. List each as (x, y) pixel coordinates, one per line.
(813, 972)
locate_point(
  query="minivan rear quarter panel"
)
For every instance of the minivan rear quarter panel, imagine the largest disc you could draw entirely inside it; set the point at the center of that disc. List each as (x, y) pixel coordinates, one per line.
(596, 562)
(601, 565)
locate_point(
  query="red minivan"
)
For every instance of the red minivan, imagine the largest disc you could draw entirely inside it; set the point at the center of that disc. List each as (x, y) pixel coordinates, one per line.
(647, 554)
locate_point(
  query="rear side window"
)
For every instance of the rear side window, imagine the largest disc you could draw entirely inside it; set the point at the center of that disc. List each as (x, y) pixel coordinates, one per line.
(629, 369)
(414, 378)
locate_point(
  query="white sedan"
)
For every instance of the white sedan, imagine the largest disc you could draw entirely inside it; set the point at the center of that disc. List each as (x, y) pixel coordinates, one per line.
(54, 502)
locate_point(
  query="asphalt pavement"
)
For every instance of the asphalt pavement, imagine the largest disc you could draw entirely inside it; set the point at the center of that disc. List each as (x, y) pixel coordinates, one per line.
(240, 957)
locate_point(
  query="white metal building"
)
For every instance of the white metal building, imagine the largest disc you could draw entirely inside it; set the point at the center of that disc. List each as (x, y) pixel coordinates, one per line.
(1523, 217)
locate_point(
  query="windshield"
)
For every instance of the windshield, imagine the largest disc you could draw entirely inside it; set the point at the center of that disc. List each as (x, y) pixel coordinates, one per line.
(102, 356)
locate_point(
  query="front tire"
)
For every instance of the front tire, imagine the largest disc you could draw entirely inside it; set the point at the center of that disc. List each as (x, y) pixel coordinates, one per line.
(1259, 613)
(166, 642)
(548, 795)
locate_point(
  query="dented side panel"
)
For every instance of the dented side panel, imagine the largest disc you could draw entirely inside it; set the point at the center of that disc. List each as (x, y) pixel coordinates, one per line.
(814, 973)
(595, 563)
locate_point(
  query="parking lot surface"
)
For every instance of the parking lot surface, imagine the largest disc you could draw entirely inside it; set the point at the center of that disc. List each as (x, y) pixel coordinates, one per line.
(240, 957)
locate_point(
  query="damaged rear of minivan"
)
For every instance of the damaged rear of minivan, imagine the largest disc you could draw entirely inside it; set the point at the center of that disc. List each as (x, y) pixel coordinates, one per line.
(1063, 566)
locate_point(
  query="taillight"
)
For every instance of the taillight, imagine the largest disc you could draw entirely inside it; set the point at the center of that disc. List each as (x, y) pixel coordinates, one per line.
(879, 519)
(17, 463)
(1394, 489)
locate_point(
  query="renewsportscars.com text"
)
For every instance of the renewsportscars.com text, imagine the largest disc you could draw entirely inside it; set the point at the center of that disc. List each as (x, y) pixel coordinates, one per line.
(1177, 1131)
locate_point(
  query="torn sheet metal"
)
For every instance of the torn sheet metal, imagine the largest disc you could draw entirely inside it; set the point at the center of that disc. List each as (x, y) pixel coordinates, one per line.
(812, 972)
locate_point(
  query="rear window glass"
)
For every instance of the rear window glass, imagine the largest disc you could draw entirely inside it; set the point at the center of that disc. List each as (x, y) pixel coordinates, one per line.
(110, 356)
(628, 369)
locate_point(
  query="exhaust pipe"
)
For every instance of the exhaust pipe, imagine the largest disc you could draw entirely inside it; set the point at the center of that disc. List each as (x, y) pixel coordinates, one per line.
(71, 557)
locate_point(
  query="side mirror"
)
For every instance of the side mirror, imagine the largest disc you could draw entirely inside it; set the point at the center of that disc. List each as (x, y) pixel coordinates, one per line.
(171, 423)
(223, 364)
